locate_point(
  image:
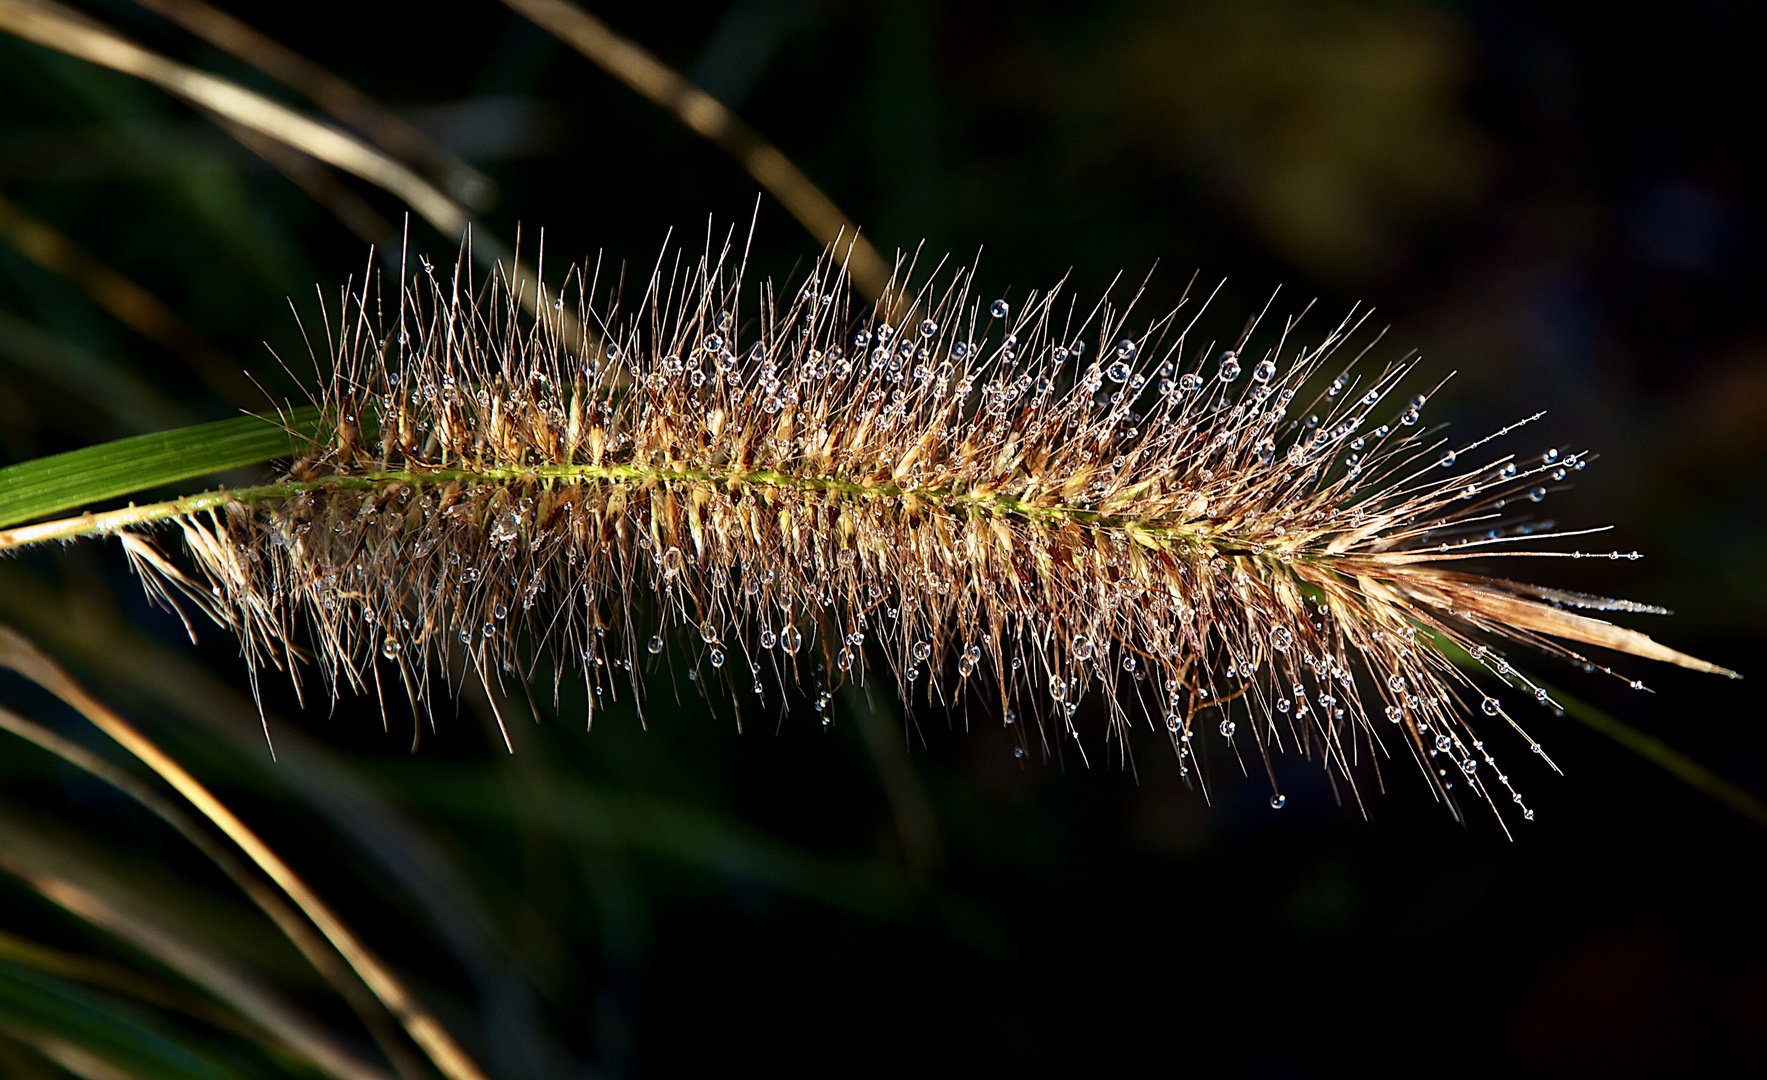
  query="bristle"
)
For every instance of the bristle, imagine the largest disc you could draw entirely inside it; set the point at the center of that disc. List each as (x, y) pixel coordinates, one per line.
(939, 490)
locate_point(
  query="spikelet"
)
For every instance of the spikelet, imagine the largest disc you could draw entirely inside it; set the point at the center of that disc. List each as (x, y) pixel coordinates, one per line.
(1248, 553)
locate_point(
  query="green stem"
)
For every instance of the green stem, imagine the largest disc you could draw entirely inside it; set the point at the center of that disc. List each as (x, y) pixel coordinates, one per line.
(99, 524)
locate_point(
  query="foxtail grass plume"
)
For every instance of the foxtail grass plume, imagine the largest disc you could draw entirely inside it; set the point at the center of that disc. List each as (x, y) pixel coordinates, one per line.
(1091, 526)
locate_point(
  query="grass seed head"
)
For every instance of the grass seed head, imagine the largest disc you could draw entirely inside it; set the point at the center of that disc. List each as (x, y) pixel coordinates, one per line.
(1249, 549)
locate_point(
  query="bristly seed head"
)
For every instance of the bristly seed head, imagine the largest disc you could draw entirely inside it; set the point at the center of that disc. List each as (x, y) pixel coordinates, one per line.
(962, 494)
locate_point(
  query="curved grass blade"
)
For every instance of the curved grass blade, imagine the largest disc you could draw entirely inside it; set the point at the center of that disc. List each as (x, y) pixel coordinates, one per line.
(22, 656)
(73, 1025)
(1646, 746)
(65, 880)
(639, 69)
(44, 486)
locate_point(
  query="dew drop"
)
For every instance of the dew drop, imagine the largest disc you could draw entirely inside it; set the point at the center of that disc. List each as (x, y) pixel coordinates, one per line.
(1281, 638)
(1228, 727)
(999, 309)
(1229, 367)
(1490, 706)
(656, 644)
(716, 656)
(1190, 382)
(790, 639)
(1278, 801)
(390, 648)
(928, 328)
(1118, 372)
(1263, 372)
(1082, 648)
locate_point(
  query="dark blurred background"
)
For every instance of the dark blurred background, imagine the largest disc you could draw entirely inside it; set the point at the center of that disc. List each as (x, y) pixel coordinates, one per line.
(1560, 204)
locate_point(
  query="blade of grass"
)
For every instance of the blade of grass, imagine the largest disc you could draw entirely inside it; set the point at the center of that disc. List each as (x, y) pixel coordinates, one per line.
(98, 45)
(297, 930)
(643, 72)
(104, 975)
(19, 654)
(88, 628)
(93, 1034)
(1646, 746)
(44, 486)
(387, 129)
(53, 27)
(106, 905)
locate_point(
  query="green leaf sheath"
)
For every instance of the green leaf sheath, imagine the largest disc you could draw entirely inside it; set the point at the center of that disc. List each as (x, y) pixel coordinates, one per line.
(44, 486)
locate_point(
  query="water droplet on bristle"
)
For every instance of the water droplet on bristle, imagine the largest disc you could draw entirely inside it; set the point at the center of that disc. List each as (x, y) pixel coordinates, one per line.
(999, 309)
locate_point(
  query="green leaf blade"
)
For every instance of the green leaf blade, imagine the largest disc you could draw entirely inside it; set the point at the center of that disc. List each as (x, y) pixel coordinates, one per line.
(49, 485)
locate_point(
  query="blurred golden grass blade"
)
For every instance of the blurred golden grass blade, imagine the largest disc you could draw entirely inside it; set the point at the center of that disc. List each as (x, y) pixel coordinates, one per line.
(299, 932)
(22, 656)
(320, 184)
(87, 626)
(106, 905)
(132, 305)
(381, 125)
(103, 47)
(49, 25)
(75, 1059)
(105, 975)
(638, 69)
